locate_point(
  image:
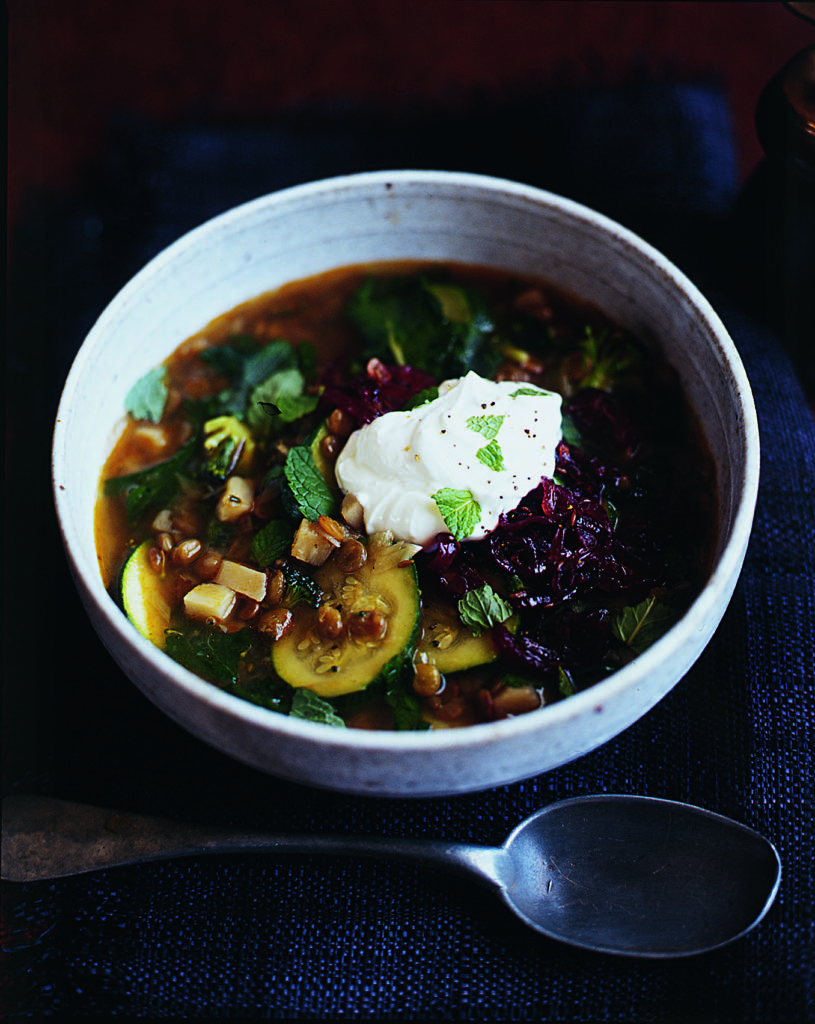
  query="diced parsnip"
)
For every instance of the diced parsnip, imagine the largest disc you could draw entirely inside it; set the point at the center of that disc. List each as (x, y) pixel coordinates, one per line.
(151, 436)
(209, 601)
(236, 500)
(312, 544)
(163, 523)
(249, 582)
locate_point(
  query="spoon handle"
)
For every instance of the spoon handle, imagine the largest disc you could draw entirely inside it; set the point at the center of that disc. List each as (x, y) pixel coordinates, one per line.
(46, 838)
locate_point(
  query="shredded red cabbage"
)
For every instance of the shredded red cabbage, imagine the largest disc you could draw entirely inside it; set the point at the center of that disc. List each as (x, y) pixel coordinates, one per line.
(566, 562)
(379, 390)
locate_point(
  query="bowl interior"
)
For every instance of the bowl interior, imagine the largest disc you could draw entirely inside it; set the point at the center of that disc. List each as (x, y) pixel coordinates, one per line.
(405, 215)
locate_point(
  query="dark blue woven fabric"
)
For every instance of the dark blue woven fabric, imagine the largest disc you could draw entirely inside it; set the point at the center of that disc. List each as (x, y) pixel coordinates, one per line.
(263, 937)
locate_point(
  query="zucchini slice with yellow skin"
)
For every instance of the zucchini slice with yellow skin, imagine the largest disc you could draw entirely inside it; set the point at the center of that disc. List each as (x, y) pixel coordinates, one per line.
(333, 666)
(450, 645)
(147, 595)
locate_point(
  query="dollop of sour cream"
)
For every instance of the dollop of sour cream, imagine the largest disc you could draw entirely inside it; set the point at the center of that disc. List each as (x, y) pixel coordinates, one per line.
(461, 459)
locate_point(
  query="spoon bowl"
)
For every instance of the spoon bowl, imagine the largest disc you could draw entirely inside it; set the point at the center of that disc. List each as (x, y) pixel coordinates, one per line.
(635, 876)
(639, 876)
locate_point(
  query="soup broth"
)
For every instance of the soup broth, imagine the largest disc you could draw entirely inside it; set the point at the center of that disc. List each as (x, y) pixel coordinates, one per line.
(223, 532)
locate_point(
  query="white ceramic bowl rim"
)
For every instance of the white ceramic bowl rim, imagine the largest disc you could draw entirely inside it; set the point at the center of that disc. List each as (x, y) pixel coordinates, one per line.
(692, 622)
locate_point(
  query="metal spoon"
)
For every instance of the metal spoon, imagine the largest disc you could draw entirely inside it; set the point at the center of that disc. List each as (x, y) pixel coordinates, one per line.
(637, 876)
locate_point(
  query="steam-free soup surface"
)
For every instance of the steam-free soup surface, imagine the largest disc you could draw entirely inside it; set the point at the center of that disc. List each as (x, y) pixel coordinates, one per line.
(223, 531)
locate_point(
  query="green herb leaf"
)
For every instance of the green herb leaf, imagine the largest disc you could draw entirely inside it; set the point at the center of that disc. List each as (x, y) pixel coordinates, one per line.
(459, 510)
(292, 407)
(227, 360)
(307, 705)
(407, 713)
(308, 486)
(640, 625)
(307, 360)
(146, 399)
(283, 390)
(155, 487)
(421, 398)
(246, 367)
(492, 456)
(487, 426)
(208, 652)
(569, 431)
(482, 609)
(529, 391)
(268, 693)
(442, 328)
(272, 542)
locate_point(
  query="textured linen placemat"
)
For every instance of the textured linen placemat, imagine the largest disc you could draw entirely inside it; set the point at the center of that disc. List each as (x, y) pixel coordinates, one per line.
(300, 937)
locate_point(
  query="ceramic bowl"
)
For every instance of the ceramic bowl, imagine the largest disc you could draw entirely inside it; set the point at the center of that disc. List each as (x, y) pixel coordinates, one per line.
(389, 216)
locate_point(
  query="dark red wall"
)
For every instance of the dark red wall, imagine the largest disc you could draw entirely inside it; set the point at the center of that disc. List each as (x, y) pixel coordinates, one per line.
(74, 64)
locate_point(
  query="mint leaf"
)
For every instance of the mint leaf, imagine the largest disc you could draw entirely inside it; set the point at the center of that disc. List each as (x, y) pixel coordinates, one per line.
(533, 392)
(407, 713)
(283, 390)
(307, 359)
(640, 625)
(273, 541)
(246, 367)
(403, 702)
(482, 609)
(459, 510)
(146, 399)
(308, 485)
(154, 487)
(492, 456)
(209, 652)
(569, 431)
(487, 426)
(292, 407)
(307, 705)
(421, 398)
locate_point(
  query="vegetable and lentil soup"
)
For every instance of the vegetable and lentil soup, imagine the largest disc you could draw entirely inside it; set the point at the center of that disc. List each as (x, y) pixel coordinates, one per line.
(224, 533)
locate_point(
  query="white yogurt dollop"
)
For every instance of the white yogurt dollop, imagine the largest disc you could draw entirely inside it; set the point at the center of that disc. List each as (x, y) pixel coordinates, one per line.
(495, 440)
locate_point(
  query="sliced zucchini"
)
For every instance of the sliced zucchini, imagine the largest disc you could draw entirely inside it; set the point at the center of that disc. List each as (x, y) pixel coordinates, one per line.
(147, 595)
(354, 658)
(449, 644)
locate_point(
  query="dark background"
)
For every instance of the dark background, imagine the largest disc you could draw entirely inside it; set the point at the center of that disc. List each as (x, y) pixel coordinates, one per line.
(74, 66)
(130, 123)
